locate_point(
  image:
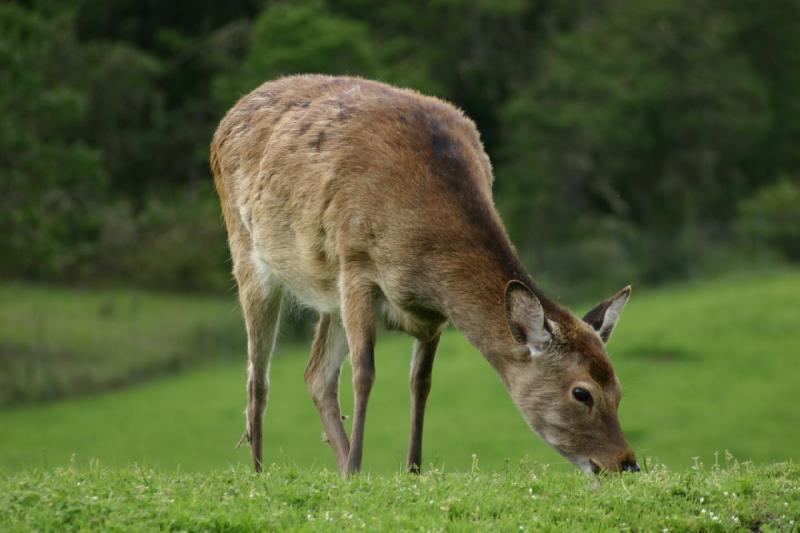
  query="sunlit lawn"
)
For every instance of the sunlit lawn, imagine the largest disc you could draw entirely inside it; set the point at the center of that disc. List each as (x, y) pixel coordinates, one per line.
(705, 368)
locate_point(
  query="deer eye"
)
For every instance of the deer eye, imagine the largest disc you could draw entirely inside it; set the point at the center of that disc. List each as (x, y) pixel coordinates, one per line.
(582, 395)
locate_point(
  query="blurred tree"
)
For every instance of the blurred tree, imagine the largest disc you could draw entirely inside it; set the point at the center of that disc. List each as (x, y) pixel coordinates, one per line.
(624, 134)
(772, 217)
(769, 33)
(301, 37)
(51, 179)
(151, 78)
(645, 115)
(126, 119)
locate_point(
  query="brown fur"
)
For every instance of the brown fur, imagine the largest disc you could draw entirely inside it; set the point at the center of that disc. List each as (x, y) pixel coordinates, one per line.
(367, 203)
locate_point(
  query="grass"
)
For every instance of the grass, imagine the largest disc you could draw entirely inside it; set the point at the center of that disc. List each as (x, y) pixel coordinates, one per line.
(706, 368)
(57, 342)
(521, 498)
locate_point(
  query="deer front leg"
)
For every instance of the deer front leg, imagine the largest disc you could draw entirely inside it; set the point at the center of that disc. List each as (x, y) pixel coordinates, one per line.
(421, 369)
(358, 317)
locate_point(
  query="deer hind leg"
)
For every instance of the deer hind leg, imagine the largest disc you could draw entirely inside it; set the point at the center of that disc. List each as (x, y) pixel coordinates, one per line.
(421, 369)
(260, 295)
(322, 378)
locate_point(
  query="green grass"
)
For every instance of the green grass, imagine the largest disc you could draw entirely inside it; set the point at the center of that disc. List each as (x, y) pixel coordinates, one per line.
(56, 342)
(524, 497)
(706, 368)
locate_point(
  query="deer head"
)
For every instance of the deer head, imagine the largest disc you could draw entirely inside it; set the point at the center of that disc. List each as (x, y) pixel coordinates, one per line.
(562, 380)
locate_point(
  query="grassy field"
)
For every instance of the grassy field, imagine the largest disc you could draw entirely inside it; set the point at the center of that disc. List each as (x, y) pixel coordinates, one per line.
(56, 342)
(706, 368)
(525, 497)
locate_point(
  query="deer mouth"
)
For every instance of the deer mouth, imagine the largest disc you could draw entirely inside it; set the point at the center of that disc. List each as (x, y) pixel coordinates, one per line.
(583, 463)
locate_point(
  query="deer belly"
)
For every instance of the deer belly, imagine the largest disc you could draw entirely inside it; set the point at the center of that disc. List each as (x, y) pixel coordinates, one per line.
(310, 287)
(317, 296)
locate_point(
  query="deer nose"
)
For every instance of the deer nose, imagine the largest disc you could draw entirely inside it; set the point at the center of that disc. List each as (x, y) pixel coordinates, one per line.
(629, 466)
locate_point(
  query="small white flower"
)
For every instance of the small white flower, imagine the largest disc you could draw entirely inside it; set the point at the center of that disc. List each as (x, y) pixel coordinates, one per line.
(703, 511)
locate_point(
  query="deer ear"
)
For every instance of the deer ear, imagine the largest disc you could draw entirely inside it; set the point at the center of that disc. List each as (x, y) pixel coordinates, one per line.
(603, 318)
(525, 317)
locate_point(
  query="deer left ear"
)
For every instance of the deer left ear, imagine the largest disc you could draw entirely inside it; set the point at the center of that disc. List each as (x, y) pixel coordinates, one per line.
(603, 318)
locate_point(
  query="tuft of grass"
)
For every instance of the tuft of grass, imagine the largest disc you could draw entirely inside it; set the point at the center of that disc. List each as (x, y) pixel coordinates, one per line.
(57, 342)
(526, 497)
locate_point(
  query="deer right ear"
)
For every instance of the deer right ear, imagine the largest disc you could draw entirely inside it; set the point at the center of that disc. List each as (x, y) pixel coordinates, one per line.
(525, 317)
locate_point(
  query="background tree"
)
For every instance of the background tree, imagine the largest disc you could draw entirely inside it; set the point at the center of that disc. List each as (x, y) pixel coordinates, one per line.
(631, 140)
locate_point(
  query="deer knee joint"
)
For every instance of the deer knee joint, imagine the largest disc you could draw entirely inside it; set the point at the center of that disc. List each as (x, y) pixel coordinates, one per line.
(363, 379)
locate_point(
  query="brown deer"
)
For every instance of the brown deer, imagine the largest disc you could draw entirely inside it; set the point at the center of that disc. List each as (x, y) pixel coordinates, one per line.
(366, 202)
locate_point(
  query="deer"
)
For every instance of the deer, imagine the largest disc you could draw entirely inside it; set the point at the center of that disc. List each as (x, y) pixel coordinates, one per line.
(372, 205)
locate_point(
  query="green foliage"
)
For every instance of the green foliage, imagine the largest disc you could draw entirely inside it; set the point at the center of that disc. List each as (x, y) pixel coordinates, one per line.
(301, 38)
(768, 34)
(121, 82)
(624, 134)
(772, 216)
(178, 243)
(645, 116)
(522, 498)
(50, 179)
(705, 368)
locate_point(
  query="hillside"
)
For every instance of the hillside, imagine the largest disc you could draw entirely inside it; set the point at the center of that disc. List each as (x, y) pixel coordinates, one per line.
(704, 368)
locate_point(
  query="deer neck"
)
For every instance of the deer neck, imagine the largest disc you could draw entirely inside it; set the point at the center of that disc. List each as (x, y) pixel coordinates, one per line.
(472, 291)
